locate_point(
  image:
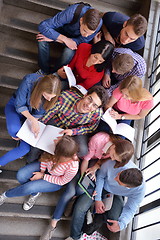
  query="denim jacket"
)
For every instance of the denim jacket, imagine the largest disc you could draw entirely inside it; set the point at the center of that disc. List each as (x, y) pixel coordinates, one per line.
(23, 94)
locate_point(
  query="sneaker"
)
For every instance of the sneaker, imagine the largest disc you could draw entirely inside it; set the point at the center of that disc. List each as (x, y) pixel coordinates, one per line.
(48, 233)
(0, 170)
(2, 198)
(40, 72)
(70, 238)
(31, 201)
(89, 217)
(69, 208)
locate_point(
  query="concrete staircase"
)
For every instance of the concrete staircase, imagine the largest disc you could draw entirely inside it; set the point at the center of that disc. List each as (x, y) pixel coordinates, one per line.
(18, 57)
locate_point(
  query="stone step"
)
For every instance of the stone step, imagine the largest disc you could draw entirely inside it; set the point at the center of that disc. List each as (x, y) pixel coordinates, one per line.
(5, 94)
(11, 76)
(6, 237)
(21, 22)
(17, 51)
(29, 227)
(49, 7)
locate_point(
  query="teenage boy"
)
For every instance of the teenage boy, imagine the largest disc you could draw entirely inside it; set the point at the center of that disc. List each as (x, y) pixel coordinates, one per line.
(77, 24)
(126, 181)
(77, 115)
(124, 31)
(124, 63)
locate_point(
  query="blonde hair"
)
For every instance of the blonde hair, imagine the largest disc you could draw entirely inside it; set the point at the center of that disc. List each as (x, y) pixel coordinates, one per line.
(134, 86)
(49, 84)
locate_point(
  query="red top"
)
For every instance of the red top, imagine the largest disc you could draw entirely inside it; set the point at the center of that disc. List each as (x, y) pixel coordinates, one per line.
(85, 76)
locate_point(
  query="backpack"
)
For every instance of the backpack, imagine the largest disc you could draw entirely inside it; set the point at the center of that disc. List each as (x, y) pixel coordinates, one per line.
(78, 11)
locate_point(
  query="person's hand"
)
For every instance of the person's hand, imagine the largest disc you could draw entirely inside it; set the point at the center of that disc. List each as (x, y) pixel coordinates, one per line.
(115, 114)
(35, 127)
(100, 208)
(37, 176)
(92, 171)
(106, 81)
(114, 227)
(17, 138)
(40, 37)
(97, 37)
(68, 132)
(70, 43)
(61, 73)
(56, 140)
(108, 37)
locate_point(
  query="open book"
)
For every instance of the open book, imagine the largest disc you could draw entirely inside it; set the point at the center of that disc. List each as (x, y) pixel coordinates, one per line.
(72, 80)
(122, 129)
(45, 138)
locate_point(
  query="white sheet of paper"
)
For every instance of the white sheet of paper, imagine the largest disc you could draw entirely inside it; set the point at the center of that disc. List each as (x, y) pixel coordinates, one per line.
(70, 76)
(125, 130)
(26, 135)
(44, 140)
(109, 120)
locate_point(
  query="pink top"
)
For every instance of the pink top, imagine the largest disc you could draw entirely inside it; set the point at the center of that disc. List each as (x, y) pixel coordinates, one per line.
(62, 174)
(126, 106)
(96, 145)
(85, 76)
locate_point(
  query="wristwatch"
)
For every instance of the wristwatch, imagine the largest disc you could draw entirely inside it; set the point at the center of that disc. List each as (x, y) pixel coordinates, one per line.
(122, 117)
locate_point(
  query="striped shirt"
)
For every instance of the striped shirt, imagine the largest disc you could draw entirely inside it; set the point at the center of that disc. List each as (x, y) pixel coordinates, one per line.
(65, 116)
(138, 70)
(62, 173)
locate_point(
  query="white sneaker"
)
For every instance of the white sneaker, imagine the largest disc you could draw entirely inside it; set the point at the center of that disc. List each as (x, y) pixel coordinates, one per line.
(48, 233)
(2, 198)
(31, 201)
(0, 170)
(70, 238)
(40, 72)
(89, 217)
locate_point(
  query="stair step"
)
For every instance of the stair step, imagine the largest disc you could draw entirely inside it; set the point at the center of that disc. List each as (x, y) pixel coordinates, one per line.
(50, 7)
(31, 227)
(6, 237)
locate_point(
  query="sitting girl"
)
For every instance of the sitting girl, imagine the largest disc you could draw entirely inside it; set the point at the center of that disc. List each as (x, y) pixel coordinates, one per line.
(48, 175)
(119, 150)
(35, 95)
(130, 101)
(88, 63)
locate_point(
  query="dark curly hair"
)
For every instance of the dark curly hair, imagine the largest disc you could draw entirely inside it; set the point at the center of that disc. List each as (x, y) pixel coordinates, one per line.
(101, 92)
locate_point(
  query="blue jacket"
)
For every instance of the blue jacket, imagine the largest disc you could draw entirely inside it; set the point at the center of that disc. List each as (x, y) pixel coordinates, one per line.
(23, 94)
(114, 23)
(60, 24)
(106, 179)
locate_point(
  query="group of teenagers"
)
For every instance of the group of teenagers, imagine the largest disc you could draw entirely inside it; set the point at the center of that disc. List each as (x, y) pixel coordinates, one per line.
(101, 49)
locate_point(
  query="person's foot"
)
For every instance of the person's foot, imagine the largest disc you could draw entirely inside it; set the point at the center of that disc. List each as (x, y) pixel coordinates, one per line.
(30, 202)
(70, 238)
(69, 208)
(40, 72)
(48, 233)
(89, 217)
(2, 198)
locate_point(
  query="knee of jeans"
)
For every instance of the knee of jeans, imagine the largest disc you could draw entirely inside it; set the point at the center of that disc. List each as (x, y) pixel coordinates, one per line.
(12, 130)
(43, 44)
(21, 176)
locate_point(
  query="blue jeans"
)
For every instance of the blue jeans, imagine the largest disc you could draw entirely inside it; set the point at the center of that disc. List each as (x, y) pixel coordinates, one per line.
(71, 190)
(82, 205)
(28, 187)
(44, 59)
(14, 122)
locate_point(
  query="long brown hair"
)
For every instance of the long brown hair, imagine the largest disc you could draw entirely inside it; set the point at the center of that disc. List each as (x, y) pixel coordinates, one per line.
(123, 148)
(49, 84)
(134, 86)
(66, 147)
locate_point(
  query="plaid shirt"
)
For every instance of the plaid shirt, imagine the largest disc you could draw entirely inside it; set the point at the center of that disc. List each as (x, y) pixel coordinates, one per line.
(64, 114)
(139, 68)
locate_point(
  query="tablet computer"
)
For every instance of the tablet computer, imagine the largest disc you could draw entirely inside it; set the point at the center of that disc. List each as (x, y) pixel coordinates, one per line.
(88, 185)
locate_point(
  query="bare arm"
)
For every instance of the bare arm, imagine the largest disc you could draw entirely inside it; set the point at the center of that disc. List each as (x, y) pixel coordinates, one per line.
(141, 115)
